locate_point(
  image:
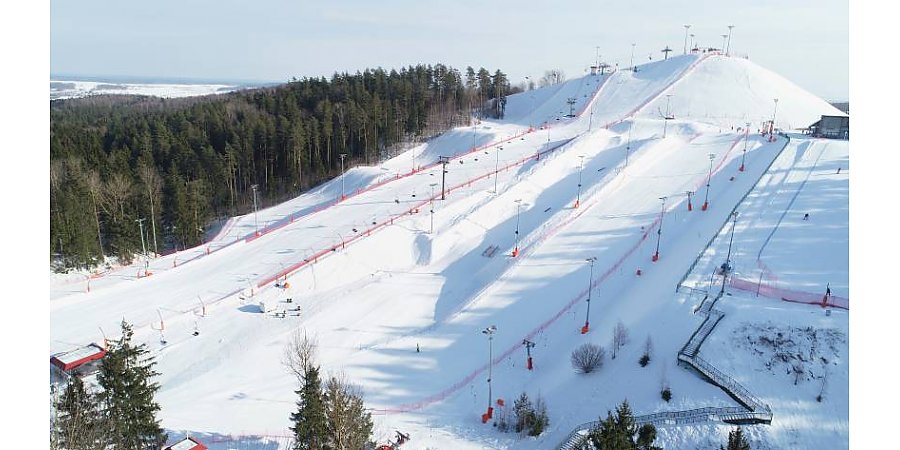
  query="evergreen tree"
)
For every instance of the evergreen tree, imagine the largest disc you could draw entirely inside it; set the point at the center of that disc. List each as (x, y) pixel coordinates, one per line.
(78, 425)
(310, 427)
(349, 424)
(736, 440)
(524, 413)
(617, 432)
(129, 409)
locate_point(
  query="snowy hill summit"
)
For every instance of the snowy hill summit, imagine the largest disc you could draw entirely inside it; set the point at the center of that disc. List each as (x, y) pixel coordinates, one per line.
(599, 210)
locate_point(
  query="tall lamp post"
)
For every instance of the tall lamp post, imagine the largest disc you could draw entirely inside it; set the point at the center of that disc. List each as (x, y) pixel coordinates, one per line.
(343, 155)
(746, 137)
(712, 157)
(432, 207)
(728, 46)
(726, 268)
(775, 111)
(489, 331)
(632, 55)
(587, 317)
(580, 169)
(668, 116)
(444, 160)
(662, 214)
(515, 252)
(141, 225)
(724, 37)
(497, 167)
(690, 206)
(255, 214)
(686, 28)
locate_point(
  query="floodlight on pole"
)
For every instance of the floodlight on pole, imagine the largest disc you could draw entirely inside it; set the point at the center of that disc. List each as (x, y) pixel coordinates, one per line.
(343, 155)
(728, 46)
(690, 206)
(587, 317)
(724, 37)
(489, 331)
(746, 137)
(693, 42)
(515, 252)
(774, 112)
(255, 213)
(662, 214)
(141, 225)
(667, 117)
(712, 157)
(432, 207)
(686, 28)
(632, 56)
(444, 160)
(580, 170)
(497, 167)
(628, 144)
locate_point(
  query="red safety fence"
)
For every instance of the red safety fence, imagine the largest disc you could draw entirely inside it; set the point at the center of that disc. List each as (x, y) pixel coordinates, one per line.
(289, 270)
(790, 295)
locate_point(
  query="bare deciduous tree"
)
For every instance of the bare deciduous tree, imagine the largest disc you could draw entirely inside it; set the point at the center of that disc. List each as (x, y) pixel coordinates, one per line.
(619, 339)
(588, 357)
(153, 185)
(300, 354)
(551, 77)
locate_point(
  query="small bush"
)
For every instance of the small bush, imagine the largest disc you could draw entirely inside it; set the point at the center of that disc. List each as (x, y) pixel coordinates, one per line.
(644, 360)
(666, 394)
(588, 357)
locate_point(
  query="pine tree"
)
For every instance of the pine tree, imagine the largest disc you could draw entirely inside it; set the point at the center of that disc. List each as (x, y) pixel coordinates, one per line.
(736, 440)
(129, 410)
(78, 426)
(310, 427)
(617, 432)
(524, 412)
(349, 424)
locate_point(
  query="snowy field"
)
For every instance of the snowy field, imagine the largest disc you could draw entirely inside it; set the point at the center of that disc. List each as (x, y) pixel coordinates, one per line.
(374, 279)
(60, 89)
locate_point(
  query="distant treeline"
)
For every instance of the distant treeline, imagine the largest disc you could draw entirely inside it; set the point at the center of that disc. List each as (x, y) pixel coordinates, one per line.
(179, 164)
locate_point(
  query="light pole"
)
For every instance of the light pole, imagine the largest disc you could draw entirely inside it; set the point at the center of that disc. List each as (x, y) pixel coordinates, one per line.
(344, 155)
(775, 111)
(432, 207)
(587, 317)
(728, 46)
(489, 331)
(746, 137)
(712, 156)
(528, 346)
(515, 252)
(726, 268)
(659, 229)
(141, 225)
(580, 169)
(628, 145)
(255, 214)
(444, 161)
(724, 37)
(690, 206)
(667, 117)
(497, 167)
(693, 42)
(632, 56)
(686, 28)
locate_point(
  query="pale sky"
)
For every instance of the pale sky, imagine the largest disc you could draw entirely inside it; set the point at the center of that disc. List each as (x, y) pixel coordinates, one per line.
(274, 40)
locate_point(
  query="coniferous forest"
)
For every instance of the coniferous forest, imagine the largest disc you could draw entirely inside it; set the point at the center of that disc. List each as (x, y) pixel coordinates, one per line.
(181, 164)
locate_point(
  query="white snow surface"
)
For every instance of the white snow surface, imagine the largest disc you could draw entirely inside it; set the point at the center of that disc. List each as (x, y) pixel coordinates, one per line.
(373, 296)
(60, 89)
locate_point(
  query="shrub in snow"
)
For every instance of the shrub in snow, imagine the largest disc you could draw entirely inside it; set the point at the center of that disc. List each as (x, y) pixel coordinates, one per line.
(588, 357)
(666, 394)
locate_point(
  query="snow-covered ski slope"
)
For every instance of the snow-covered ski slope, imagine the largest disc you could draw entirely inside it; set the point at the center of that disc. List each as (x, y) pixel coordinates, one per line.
(373, 282)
